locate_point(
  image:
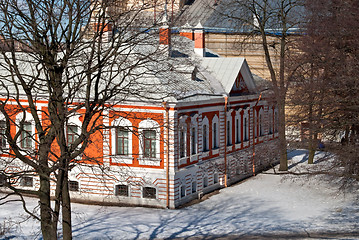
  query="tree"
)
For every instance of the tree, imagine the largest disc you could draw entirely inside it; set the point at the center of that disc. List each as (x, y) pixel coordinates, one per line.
(273, 23)
(327, 75)
(59, 60)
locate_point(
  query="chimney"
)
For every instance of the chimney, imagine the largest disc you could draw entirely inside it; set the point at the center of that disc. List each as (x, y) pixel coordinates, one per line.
(199, 46)
(165, 32)
(187, 31)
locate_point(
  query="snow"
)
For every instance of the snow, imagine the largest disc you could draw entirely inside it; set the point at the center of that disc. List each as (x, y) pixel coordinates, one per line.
(265, 205)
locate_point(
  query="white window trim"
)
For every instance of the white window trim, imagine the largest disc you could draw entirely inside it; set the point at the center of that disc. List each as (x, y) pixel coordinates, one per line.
(149, 124)
(121, 122)
(142, 188)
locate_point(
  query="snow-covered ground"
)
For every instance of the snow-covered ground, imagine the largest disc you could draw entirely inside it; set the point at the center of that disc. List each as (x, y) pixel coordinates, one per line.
(267, 205)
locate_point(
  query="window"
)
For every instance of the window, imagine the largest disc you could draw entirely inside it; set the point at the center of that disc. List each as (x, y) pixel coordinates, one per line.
(183, 191)
(2, 180)
(182, 143)
(149, 192)
(121, 190)
(205, 182)
(245, 129)
(194, 186)
(71, 134)
(194, 141)
(121, 141)
(205, 138)
(216, 178)
(229, 134)
(26, 135)
(149, 143)
(215, 144)
(238, 132)
(26, 181)
(2, 134)
(74, 186)
(261, 130)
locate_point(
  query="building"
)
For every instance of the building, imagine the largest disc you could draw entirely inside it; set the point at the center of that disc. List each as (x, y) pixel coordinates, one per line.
(168, 151)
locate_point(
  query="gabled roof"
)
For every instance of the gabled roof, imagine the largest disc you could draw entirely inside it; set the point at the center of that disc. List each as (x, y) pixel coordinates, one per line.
(226, 70)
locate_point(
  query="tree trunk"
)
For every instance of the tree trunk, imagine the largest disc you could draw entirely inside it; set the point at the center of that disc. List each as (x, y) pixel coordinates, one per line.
(66, 209)
(283, 163)
(48, 228)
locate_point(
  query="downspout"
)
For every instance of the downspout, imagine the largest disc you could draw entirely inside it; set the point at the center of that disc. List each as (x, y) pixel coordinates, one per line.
(225, 141)
(168, 156)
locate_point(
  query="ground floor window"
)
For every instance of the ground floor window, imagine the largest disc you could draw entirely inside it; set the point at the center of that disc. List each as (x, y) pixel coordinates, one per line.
(27, 181)
(121, 190)
(194, 186)
(149, 192)
(183, 191)
(205, 182)
(74, 186)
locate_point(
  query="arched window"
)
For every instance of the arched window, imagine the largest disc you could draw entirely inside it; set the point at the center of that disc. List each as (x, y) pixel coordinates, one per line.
(121, 136)
(215, 132)
(73, 129)
(183, 191)
(149, 139)
(276, 121)
(194, 186)
(245, 126)
(238, 126)
(261, 122)
(205, 182)
(194, 137)
(229, 128)
(182, 134)
(205, 132)
(26, 127)
(3, 142)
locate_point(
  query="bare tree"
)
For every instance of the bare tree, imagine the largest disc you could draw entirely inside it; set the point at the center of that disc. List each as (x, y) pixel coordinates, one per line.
(327, 80)
(273, 22)
(61, 59)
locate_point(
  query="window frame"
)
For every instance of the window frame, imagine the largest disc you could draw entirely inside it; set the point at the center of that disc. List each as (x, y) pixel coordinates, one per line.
(126, 190)
(146, 192)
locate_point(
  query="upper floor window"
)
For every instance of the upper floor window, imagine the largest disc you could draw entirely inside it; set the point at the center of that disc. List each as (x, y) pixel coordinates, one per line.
(193, 141)
(205, 138)
(121, 135)
(2, 134)
(215, 132)
(182, 143)
(261, 127)
(245, 128)
(26, 135)
(71, 132)
(229, 133)
(238, 131)
(149, 143)
(122, 141)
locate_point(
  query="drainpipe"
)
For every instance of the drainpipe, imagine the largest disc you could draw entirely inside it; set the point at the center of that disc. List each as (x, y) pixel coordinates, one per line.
(254, 135)
(168, 156)
(225, 141)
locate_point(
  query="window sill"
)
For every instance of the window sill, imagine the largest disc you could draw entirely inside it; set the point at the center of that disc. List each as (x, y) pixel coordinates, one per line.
(150, 161)
(215, 151)
(205, 154)
(122, 159)
(182, 160)
(194, 157)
